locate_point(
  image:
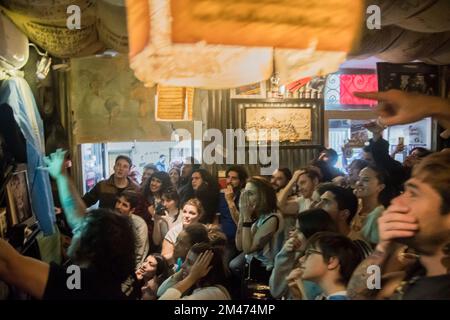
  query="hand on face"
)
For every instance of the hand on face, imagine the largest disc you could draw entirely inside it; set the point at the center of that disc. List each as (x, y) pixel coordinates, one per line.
(297, 174)
(201, 266)
(396, 223)
(293, 280)
(293, 243)
(246, 205)
(229, 193)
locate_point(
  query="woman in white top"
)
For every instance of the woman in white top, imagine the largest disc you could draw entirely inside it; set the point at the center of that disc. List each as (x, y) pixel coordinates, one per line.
(167, 216)
(202, 276)
(192, 213)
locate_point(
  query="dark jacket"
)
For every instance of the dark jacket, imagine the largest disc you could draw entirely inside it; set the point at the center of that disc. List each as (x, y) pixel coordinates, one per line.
(380, 153)
(106, 192)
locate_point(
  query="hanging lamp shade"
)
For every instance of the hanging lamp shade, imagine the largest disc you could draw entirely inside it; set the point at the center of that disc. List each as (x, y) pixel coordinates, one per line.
(216, 44)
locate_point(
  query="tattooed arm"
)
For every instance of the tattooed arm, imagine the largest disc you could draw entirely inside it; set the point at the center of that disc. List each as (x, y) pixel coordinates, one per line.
(238, 237)
(358, 287)
(393, 224)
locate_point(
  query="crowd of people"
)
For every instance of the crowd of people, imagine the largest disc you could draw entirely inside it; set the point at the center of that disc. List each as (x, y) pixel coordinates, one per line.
(310, 234)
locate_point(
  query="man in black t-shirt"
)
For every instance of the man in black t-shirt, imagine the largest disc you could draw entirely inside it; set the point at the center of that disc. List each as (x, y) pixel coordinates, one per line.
(102, 251)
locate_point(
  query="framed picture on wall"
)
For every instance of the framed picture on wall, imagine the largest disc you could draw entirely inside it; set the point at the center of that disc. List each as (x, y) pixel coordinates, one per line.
(292, 124)
(410, 77)
(251, 91)
(19, 201)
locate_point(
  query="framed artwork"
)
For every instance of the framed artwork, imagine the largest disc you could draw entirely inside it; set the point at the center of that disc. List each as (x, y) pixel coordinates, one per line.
(293, 124)
(19, 203)
(410, 77)
(251, 91)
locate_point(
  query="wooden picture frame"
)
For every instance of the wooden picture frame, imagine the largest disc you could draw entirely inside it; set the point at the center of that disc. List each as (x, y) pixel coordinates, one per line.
(19, 209)
(252, 91)
(286, 115)
(411, 77)
(293, 124)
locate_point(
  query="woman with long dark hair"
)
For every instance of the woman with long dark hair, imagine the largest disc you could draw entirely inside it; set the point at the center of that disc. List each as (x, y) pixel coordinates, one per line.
(204, 187)
(151, 274)
(374, 192)
(167, 216)
(151, 197)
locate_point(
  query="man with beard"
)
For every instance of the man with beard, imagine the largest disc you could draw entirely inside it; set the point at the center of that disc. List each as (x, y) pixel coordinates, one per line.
(189, 165)
(229, 206)
(306, 181)
(420, 219)
(280, 178)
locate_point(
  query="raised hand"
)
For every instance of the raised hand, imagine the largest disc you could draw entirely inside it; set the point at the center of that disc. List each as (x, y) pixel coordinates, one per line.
(399, 107)
(246, 206)
(399, 148)
(229, 193)
(297, 174)
(55, 163)
(201, 266)
(295, 284)
(293, 243)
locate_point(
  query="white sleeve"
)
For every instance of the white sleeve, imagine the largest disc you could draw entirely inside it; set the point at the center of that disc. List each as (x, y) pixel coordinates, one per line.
(171, 294)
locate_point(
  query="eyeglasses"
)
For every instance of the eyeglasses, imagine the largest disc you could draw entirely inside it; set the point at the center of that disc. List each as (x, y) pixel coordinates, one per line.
(310, 252)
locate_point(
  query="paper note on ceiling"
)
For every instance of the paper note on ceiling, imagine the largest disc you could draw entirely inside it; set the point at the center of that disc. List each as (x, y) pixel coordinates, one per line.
(283, 24)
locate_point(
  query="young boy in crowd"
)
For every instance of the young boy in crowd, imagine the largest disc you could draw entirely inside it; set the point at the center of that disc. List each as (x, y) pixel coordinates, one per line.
(329, 261)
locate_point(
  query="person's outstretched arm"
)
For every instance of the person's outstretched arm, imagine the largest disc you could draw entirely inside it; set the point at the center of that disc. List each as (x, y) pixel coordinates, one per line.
(400, 107)
(28, 274)
(74, 207)
(289, 207)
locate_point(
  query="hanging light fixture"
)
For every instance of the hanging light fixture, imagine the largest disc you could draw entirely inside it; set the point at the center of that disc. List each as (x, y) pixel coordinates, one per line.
(43, 65)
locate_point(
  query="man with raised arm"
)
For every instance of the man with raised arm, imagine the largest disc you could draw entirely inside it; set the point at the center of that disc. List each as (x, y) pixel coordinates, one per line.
(94, 250)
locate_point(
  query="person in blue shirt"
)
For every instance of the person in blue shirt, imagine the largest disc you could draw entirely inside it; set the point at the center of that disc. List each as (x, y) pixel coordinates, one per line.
(161, 165)
(229, 206)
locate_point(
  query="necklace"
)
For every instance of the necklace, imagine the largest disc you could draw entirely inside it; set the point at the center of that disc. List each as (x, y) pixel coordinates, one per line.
(400, 290)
